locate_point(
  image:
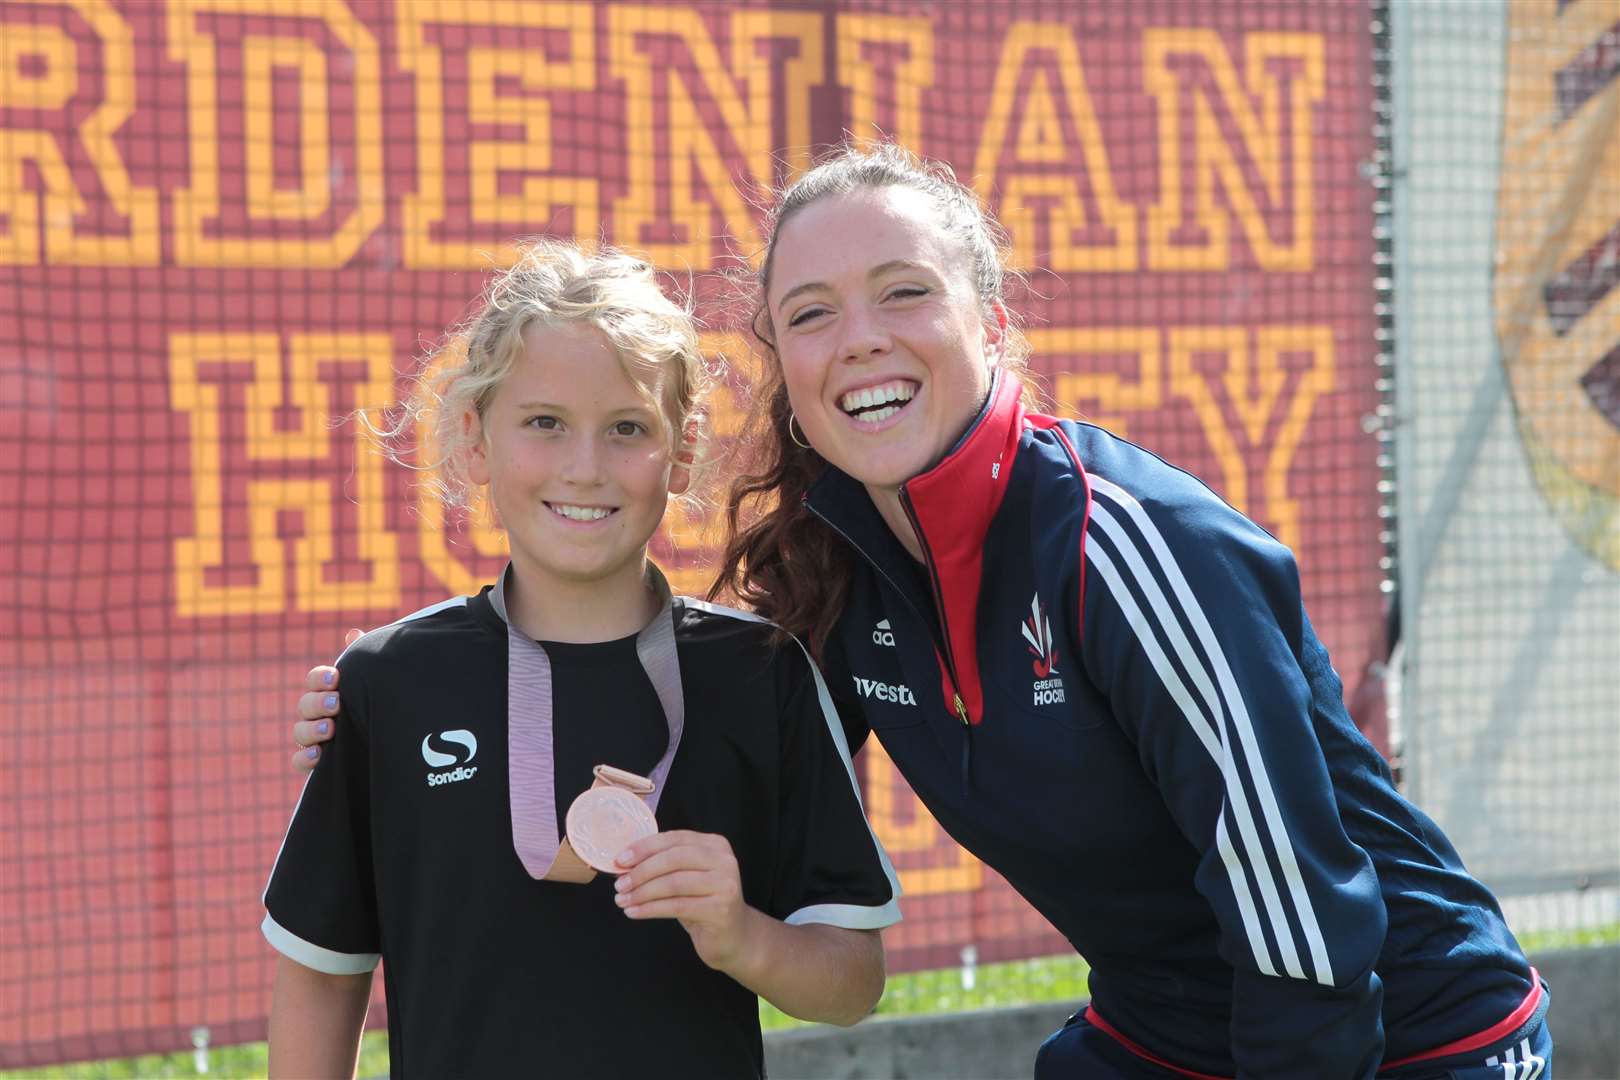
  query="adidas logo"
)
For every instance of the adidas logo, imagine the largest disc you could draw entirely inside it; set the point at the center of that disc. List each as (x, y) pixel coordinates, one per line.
(882, 635)
(463, 740)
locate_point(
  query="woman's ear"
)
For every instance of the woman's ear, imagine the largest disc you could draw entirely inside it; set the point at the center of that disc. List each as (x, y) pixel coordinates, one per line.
(475, 446)
(763, 331)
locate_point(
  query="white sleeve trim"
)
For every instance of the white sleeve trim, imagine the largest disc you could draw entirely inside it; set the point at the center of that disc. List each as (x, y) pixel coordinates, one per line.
(422, 613)
(312, 956)
(835, 729)
(847, 916)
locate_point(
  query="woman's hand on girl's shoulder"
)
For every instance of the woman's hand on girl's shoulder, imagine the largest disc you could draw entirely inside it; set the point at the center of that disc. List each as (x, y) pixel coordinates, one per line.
(316, 709)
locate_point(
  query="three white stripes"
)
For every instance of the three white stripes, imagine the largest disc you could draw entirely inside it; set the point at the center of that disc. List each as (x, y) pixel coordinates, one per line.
(1227, 701)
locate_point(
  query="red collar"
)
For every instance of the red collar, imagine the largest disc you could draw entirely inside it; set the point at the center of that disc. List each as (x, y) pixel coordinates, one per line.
(953, 505)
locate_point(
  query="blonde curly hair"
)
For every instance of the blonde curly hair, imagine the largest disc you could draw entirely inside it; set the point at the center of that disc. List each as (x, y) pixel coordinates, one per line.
(552, 283)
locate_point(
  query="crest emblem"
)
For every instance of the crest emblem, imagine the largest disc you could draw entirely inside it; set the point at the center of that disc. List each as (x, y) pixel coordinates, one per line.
(1038, 633)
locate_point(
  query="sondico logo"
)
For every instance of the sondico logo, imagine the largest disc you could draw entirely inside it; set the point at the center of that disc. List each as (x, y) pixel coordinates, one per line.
(883, 635)
(463, 770)
(896, 693)
(1048, 689)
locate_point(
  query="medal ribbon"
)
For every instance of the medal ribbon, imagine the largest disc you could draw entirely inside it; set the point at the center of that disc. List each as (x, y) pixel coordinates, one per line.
(530, 739)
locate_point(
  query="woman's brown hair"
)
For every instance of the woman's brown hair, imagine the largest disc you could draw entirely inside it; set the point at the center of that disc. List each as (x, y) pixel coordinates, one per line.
(780, 559)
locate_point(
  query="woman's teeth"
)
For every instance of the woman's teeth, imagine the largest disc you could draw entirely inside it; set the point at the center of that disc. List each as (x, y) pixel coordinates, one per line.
(580, 513)
(878, 400)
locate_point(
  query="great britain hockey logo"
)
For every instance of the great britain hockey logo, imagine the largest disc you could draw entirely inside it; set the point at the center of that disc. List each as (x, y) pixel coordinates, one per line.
(1048, 689)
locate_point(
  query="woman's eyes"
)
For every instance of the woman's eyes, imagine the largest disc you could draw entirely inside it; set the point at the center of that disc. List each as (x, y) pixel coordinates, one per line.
(903, 292)
(629, 428)
(544, 423)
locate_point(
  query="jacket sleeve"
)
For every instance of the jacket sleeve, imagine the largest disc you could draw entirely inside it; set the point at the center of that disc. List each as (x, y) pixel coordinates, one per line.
(1193, 629)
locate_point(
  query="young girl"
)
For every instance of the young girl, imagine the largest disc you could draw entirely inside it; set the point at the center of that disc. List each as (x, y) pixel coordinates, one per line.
(433, 838)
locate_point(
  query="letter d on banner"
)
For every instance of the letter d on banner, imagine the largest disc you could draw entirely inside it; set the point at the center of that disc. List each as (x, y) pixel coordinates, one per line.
(315, 224)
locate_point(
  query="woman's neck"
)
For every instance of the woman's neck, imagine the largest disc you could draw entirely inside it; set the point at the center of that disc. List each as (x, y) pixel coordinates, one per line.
(548, 609)
(893, 511)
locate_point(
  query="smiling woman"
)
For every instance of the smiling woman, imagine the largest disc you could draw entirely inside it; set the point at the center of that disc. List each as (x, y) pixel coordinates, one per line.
(1096, 674)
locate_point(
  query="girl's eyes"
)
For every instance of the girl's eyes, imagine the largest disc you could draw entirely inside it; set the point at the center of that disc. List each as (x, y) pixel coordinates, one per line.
(806, 315)
(623, 428)
(906, 292)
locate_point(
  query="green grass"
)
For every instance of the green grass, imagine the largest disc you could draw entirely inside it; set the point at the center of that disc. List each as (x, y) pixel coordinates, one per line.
(1057, 978)
(1020, 982)
(1547, 940)
(228, 1062)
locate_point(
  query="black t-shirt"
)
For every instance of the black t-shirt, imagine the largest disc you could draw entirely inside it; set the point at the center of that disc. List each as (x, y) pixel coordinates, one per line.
(392, 851)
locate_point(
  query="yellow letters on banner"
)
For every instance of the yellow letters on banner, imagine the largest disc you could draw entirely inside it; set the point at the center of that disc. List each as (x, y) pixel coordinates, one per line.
(688, 149)
(1252, 383)
(204, 551)
(750, 30)
(1275, 141)
(434, 522)
(1040, 143)
(1071, 351)
(260, 56)
(732, 353)
(914, 832)
(432, 525)
(62, 203)
(911, 76)
(197, 205)
(542, 192)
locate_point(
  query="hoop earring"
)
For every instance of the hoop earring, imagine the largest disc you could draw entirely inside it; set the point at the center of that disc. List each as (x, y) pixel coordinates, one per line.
(793, 418)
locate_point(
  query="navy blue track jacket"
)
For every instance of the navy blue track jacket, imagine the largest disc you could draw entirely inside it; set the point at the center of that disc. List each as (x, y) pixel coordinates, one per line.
(1102, 682)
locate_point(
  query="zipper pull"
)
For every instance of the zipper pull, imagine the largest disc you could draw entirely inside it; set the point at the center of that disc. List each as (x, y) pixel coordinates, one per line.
(967, 747)
(961, 710)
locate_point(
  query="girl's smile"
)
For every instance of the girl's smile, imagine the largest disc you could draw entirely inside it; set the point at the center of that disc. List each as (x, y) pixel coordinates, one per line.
(582, 515)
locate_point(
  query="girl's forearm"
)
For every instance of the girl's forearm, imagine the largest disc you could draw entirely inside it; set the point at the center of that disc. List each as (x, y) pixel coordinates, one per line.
(815, 972)
(315, 1022)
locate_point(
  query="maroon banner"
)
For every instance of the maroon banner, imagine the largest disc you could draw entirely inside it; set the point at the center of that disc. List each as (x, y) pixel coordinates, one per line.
(225, 225)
